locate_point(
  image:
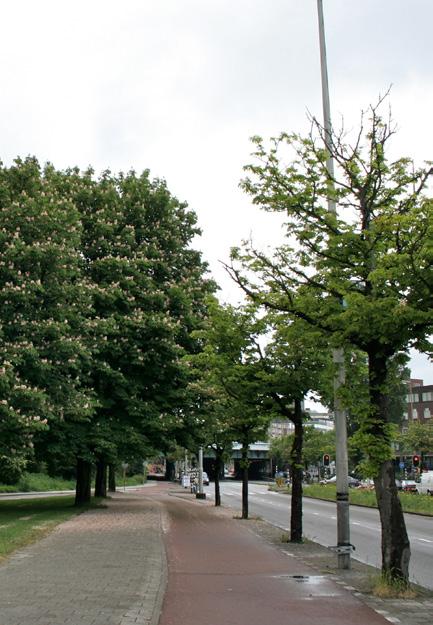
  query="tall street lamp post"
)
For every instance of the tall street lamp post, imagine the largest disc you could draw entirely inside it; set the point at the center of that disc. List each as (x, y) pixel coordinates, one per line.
(342, 467)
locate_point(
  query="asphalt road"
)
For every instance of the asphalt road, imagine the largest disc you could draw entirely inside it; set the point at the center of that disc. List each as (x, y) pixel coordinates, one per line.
(320, 525)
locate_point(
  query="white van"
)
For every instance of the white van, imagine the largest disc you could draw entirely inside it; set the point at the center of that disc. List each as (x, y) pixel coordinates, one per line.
(425, 486)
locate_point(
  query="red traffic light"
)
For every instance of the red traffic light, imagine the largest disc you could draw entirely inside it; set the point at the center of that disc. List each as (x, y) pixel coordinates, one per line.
(415, 461)
(326, 460)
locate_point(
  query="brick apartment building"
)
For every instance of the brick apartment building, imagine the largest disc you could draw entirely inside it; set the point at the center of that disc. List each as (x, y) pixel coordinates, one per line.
(419, 409)
(419, 402)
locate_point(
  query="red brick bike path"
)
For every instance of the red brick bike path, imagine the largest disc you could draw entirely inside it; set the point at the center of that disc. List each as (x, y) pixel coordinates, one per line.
(221, 573)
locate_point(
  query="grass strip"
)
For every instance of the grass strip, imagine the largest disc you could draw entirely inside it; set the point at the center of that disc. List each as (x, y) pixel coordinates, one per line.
(23, 521)
(38, 482)
(411, 502)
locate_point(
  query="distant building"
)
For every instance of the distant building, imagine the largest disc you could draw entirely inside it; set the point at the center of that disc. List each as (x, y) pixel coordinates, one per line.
(323, 421)
(280, 427)
(418, 409)
(419, 403)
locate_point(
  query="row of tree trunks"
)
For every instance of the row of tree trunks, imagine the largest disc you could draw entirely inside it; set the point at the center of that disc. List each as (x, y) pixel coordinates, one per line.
(101, 479)
(83, 485)
(84, 478)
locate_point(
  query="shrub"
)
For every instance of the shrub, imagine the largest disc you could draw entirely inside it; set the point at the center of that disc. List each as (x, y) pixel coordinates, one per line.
(11, 469)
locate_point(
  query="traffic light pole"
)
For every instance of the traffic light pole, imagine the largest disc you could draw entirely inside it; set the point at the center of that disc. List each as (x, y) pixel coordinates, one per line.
(343, 528)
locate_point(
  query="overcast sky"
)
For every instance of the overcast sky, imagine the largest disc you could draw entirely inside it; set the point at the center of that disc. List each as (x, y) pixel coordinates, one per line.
(179, 87)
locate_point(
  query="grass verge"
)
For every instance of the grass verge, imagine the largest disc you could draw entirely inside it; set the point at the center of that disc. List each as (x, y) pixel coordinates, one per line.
(37, 482)
(130, 480)
(386, 588)
(40, 482)
(23, 521)
(419, 504)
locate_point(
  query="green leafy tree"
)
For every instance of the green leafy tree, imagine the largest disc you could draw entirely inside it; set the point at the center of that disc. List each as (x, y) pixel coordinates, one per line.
(101, 291)
(280, 448)
(316, 443)
(43, 296)
(417, 439)
(149, 289)
(292, 365)
(231, 370)
(256, 368)
(209, 407)
(363, 276)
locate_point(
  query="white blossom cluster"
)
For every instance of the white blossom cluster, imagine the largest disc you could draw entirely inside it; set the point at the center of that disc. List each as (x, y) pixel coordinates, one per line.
(96, 283)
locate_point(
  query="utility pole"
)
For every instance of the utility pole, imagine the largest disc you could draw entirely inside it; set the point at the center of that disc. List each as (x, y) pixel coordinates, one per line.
(200, 494)
(342, 467)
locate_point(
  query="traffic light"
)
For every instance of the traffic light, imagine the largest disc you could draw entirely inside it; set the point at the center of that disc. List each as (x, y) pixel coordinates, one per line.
(326, 460)
(415, 461)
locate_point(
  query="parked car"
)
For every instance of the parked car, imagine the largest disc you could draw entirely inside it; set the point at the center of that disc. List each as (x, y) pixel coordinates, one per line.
(205, 478)
(353, 481)
(425, 486)
(409, 486)
(367, 484)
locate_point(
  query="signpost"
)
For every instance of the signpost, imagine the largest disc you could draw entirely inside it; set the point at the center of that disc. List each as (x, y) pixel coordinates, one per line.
(125, 465)
(200, 494)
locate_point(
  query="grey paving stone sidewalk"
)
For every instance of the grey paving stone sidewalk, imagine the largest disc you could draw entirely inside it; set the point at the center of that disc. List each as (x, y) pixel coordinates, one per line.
(104, 567)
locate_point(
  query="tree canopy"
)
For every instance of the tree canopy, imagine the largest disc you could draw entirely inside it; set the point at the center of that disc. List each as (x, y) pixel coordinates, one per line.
(101, 291)
(362, 275)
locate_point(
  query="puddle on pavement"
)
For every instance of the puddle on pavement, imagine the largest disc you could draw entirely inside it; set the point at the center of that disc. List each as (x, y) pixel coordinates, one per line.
(313, 585)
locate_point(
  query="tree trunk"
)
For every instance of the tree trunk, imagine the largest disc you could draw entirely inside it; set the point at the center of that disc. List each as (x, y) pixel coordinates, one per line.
(170, 471)
(83, 485)
(101, 479)
(111, 478)
(218, 463)
(395, 541)
(297, 474)
(244, 466)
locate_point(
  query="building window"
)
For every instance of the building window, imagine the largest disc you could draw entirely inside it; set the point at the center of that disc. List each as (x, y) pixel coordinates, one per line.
(405, 416)
(412, 397)
(427, 396)
(427, 414)
(414, 413)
